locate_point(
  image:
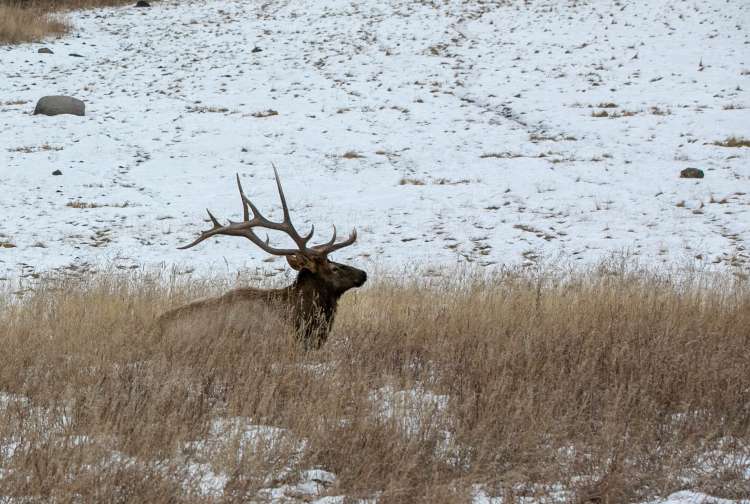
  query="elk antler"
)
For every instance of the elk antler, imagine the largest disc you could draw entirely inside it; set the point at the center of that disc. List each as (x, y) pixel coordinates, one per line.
(329, 247)
(245, 228)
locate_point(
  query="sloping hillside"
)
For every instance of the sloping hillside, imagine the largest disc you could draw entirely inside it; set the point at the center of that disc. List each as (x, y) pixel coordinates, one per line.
(446, 132)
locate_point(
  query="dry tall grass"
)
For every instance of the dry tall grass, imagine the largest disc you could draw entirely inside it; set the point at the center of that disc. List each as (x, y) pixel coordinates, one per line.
(29, 24)
(34, 20)
(609, 384)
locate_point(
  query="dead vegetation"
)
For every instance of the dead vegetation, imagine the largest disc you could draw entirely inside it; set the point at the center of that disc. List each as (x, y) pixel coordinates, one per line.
(351, 154)
(614, 384)
(733, 141)
(34, 20)
(411, 181)
(613, 115)
(434, 181)
(265, 113)
(29, 24)
(91, 204)
(206, 109)
(28, 149)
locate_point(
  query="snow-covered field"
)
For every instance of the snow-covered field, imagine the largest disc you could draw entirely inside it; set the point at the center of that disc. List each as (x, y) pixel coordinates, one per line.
(445, 131)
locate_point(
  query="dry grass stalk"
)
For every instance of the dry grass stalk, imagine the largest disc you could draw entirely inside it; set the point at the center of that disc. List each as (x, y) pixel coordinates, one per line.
(612, 383)
(34, 20)
(734, 141)
(19, 24)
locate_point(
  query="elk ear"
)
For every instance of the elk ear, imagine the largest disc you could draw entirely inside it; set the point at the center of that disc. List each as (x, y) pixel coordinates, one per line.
(299, 262)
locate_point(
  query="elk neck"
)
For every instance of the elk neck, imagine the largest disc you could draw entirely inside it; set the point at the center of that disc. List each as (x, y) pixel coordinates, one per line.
(311, 296)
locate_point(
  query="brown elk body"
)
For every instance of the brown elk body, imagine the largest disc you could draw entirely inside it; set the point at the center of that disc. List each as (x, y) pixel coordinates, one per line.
(307, 307)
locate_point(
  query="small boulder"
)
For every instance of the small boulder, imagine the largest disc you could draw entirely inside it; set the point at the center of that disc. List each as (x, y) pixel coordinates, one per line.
(142, 3)
(256, 49)
(54, 105)
(75, 55)
(57, 172)
(691, 173)
(45, 50)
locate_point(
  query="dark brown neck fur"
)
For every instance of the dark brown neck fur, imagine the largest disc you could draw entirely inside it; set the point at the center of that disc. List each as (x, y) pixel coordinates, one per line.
(312, 306)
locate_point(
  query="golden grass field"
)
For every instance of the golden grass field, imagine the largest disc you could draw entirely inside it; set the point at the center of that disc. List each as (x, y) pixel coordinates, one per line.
(612, 384)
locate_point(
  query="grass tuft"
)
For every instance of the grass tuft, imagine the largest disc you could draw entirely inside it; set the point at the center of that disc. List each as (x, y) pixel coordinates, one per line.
(734, 141)
(351, 154)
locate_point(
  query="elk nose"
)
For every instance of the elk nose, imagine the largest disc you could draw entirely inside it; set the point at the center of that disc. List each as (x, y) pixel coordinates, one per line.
(362, 279)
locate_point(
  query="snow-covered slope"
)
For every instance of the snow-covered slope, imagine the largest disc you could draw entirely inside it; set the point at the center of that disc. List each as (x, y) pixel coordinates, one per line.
(459, 131)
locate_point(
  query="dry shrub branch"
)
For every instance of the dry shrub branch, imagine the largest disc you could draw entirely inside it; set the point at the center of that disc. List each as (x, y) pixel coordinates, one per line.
(613, 384)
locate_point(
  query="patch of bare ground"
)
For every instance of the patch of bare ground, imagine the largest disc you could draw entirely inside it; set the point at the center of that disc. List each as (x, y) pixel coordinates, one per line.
(614, 384)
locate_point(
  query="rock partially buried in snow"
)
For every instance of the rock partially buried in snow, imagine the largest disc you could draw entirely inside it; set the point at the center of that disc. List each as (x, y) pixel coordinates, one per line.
(45, 50)
(142, 3)
(691, 173)
(54, 105)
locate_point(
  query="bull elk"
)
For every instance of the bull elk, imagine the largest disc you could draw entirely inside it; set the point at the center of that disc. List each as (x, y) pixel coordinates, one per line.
(309, 304)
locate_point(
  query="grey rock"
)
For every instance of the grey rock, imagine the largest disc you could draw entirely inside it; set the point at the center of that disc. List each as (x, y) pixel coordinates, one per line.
(75, 55)
(691, 173)
(54, 105)
(45, 50)
(57, 172)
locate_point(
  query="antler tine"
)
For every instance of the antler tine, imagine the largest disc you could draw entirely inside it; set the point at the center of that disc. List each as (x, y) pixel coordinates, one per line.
(331, 246)
(247, 204)
(245, 201)
(281, 195)
(217, 224)
(331, 241)
(286, 224)
(310, 234)
(216, 229)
